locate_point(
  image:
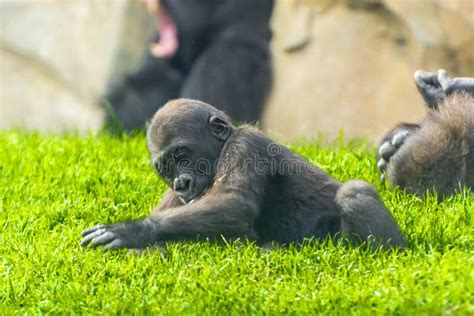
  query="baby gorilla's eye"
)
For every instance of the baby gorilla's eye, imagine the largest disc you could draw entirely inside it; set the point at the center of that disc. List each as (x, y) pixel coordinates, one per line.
(179, 155)
(182, 159)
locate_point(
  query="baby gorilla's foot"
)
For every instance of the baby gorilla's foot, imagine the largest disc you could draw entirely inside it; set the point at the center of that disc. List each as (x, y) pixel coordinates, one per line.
(435, 87)
(452, 85)
(391, 143)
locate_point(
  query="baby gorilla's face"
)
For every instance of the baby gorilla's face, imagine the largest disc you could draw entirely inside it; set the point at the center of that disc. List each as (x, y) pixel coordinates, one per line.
(188, 172)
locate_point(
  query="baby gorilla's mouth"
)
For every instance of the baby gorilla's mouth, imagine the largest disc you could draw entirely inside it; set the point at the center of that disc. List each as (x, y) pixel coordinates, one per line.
(168, 44)
(195, 197)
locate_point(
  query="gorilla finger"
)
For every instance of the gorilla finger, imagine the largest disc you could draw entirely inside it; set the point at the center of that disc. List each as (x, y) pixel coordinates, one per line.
(444, 79)
(425, 78)
(382, 164)
(103, 239)
(387, 150)
(89, 230)
(399, 139)
(116, 244)
(92, 235)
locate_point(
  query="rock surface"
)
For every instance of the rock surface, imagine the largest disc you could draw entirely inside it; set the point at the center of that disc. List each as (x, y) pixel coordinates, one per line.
(355, 73)
(57, 57)
(339, 64)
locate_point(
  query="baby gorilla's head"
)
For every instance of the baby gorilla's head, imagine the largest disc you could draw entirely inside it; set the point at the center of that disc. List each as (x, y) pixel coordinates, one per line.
(185, 139)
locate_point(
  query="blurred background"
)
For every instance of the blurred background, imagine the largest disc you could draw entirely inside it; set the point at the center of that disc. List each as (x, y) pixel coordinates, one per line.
(338, 64)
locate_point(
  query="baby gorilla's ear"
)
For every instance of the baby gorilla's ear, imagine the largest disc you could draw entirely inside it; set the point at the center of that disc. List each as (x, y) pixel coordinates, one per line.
(219, 128)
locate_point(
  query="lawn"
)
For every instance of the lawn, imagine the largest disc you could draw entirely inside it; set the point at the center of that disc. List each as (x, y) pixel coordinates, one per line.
(53, 187)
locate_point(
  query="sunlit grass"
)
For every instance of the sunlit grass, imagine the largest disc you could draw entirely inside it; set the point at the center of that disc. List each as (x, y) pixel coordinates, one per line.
(53, 187)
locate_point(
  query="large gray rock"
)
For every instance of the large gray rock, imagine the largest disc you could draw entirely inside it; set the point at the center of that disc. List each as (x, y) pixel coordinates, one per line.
(57, 58)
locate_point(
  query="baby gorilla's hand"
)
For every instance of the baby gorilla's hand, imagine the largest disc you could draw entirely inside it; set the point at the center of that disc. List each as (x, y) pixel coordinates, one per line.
(391, 143)
(116, 236)
(389, 148)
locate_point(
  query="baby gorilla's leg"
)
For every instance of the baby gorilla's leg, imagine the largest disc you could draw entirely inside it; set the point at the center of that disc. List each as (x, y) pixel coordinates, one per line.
(365, 218)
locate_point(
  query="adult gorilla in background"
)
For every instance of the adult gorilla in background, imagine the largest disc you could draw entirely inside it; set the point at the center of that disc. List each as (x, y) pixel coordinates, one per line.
(236, 182)
(437, 154)
(212, 50)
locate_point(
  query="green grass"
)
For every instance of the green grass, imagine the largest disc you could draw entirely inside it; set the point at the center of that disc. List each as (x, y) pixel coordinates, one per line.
(53, 187)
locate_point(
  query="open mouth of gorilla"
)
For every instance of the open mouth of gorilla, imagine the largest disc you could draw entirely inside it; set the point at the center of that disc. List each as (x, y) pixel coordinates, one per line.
(168, 43)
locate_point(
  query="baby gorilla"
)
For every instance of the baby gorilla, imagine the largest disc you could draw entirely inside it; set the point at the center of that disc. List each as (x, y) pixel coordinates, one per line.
(437, 154)
(236, 182)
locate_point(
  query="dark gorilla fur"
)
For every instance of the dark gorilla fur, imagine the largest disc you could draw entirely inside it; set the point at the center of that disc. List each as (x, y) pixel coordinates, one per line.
(236, 182)
(223, 58)
(437, 154)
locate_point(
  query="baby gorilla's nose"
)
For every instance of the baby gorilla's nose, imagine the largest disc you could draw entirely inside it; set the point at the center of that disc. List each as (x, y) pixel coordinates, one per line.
(183, 184)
